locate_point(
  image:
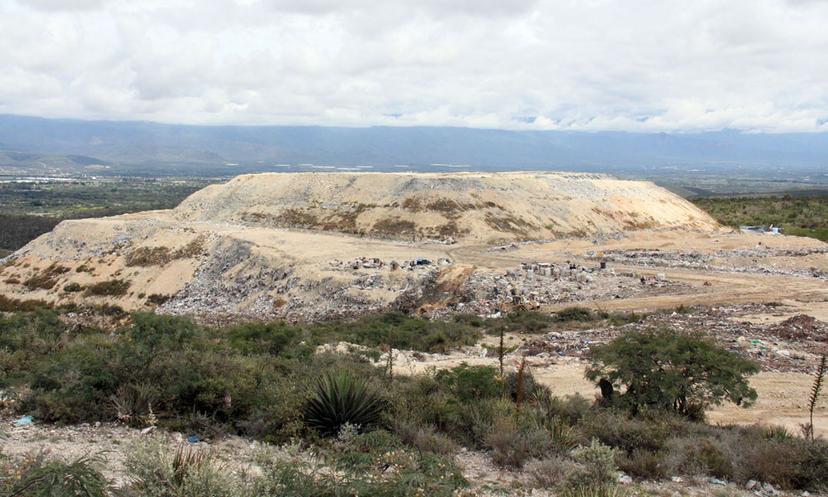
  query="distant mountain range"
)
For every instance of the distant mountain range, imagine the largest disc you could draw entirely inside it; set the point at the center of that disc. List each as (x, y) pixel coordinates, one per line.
(33, 144)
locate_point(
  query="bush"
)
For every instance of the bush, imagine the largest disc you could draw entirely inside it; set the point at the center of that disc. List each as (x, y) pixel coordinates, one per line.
(399, 331)
(670, 371)
(569, 409)
(645, 464)
(154, 471)
(469, 383)
(425, 438)
(109, 288)
(698, 456)
(45, 279)
(625, 433)
(551, 472)
(574, 314)
(342, 399)
(512, 445)
(72, 287)
(596, 466)
(47, 478)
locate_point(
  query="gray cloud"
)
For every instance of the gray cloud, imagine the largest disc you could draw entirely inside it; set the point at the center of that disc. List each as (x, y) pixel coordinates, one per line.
(535, 64)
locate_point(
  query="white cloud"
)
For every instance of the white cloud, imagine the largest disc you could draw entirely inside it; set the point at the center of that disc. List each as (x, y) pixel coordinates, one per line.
(535, 64)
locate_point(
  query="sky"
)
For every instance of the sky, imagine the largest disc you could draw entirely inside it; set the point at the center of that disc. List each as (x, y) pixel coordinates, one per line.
(635, 65)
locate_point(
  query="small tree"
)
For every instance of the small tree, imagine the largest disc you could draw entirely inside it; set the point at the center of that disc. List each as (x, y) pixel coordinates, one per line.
(666, 370)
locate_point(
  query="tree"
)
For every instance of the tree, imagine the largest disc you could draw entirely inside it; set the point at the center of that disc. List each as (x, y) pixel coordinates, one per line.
(666, 370)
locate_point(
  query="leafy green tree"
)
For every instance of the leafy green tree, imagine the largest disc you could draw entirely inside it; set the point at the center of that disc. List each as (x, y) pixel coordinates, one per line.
(667, 370)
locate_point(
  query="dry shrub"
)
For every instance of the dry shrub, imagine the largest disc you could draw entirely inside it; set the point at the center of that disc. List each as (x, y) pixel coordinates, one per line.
(512, 446)
(45, 279)
(8, 304)
(425, 438)
(550, 472)
(148, 256)
(158, 256)
(644, 464)
(108, 288)
(192, 249)
(158, 299)
(699, 456)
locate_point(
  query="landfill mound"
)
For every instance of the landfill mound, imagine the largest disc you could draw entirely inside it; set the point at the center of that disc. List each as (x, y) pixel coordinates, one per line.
(315, 246)
(448, 207)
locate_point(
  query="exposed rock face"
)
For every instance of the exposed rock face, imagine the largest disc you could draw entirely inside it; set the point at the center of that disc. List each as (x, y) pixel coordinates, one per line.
(465, 206)
(272, 245)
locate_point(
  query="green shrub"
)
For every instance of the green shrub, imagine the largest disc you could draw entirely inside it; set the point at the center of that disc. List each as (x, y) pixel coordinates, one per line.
(670, 371)
(469, 383)
(569, 409)
(399, 331)
(272, 338)
(596, 466)
(574, 314)
(72, 287)
(108, 288)
(618, 430)
(340, 399)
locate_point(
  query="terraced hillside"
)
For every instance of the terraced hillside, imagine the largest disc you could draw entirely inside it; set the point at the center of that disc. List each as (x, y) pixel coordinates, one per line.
(305, 246)
(469, 206)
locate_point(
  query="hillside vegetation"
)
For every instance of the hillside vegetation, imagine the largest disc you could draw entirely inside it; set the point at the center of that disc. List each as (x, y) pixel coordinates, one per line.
(799, 216)
(263, 381)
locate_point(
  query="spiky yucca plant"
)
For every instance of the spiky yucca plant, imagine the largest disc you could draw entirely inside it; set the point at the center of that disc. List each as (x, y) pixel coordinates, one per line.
(339, 399)
(57, 478)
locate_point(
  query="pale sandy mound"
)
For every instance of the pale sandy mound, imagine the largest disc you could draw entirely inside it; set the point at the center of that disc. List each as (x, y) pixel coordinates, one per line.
(461, 206)
(273, 246)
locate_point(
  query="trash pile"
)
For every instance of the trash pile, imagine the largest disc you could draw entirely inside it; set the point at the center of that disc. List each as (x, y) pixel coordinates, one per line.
(533, 284)
(791, 345)
(377, 263)
(716, 261)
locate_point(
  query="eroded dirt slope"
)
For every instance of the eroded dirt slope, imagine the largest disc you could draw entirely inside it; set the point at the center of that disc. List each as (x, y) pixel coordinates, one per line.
(462, 206)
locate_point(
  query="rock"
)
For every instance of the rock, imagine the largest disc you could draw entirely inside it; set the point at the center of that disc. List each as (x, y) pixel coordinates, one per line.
(624, 479)
(148, 430)
(676, 479)
(716, 481)
(751, 484)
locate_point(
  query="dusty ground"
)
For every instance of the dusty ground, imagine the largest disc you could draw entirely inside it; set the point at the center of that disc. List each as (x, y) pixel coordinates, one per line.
(111, 442)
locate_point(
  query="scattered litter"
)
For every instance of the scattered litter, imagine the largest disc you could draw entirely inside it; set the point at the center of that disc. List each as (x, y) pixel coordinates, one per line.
(23, 421)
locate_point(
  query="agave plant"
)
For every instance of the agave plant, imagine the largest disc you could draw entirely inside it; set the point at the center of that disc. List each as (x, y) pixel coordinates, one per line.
(57, 478)
(340, 399)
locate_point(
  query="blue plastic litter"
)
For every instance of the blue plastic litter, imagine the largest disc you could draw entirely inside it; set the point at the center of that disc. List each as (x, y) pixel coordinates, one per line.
(193, 439)
(24, 421)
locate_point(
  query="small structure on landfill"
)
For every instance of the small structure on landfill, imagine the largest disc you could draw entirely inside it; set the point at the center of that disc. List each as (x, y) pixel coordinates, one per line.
(762, 230)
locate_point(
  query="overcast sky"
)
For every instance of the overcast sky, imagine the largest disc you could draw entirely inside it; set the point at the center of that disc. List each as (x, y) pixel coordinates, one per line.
(523, 64)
